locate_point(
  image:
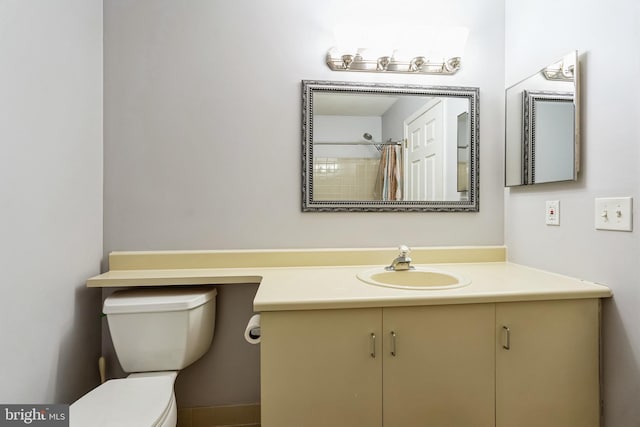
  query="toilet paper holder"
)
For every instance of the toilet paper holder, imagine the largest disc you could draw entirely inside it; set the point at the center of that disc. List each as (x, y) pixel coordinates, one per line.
(252, 333)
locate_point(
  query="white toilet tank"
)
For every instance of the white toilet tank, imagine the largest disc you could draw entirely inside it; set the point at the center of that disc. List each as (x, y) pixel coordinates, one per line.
(161, 329)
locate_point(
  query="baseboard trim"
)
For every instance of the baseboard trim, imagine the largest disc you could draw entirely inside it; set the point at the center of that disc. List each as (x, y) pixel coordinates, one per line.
(220, 416)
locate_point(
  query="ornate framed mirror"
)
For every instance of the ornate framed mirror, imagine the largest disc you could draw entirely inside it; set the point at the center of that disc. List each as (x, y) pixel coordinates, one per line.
(385, 147)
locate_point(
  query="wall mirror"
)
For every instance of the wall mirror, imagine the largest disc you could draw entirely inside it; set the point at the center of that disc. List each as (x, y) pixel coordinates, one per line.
(542, 138)
(383, 147)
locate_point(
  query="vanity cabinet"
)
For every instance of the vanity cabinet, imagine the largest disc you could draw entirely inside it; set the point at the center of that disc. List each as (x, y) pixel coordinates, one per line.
(438, 366)
(378, 367)
(317, 368)
(525, 364)
(548, 374)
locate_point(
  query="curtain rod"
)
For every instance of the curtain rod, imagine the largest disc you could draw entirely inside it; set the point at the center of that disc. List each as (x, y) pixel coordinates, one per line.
(359, 143)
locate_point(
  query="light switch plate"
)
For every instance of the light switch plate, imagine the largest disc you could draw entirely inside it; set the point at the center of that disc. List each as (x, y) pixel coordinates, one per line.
(552, 216)
(614, 213)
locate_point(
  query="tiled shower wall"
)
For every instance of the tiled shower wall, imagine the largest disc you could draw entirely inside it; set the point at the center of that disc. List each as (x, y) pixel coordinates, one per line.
(337, 178)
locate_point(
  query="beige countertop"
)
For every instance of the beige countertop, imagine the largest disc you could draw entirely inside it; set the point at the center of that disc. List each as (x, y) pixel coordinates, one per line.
(314, 279)
(338, 287)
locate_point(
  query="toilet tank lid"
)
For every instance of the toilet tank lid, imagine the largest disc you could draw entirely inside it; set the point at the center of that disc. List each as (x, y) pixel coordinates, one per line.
(148, 300)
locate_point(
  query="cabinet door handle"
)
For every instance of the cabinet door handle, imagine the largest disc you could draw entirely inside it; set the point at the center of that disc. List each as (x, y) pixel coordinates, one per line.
(393, 343)
(507, 338)
(373, 345)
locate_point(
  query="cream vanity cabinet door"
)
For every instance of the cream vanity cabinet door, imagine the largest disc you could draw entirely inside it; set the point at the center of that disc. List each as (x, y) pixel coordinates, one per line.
(439, 366)
(547, 364)
(321, 368)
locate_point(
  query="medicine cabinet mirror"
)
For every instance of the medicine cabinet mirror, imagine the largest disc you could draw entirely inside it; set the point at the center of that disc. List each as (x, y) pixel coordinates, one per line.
(384, 147)
(542, 141)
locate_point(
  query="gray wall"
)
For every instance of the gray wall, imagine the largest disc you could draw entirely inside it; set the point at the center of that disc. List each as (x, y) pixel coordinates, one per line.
(191, 87)
(606, 36)
(51, 204)
(202, 123)
(203, 139)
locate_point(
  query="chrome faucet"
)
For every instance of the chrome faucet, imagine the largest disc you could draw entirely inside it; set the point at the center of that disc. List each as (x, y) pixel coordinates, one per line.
(402, 262)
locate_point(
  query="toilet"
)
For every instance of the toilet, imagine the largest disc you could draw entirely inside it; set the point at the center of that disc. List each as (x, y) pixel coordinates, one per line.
(156, 332)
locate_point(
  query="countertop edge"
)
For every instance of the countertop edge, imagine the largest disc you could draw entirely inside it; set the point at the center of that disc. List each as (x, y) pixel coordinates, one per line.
(429, 300)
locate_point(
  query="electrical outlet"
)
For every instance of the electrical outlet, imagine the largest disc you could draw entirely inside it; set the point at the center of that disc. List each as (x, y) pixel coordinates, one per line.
(553, 212)
(614, 213)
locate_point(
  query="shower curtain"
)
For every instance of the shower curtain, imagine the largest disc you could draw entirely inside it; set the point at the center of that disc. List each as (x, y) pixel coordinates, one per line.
(389, 179)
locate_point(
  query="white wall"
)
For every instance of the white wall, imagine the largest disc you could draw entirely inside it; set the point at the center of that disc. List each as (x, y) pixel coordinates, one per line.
(338, 129)
(51, 198)
(606, 35)
(203, 139)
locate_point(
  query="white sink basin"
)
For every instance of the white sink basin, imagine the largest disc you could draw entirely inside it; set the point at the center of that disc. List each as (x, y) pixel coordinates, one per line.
(418, 278)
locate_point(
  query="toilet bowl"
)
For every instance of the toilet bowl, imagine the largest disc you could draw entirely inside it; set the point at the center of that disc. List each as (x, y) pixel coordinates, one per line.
(129, 402)
(155, 332)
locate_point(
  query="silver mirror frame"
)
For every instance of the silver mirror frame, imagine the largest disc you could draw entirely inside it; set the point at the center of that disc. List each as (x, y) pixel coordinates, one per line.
(311, 87)
(529, 100)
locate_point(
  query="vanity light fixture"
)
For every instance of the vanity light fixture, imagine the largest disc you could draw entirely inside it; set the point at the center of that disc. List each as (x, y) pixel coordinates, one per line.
(357, 61)
(561, 70)
(399, 49)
